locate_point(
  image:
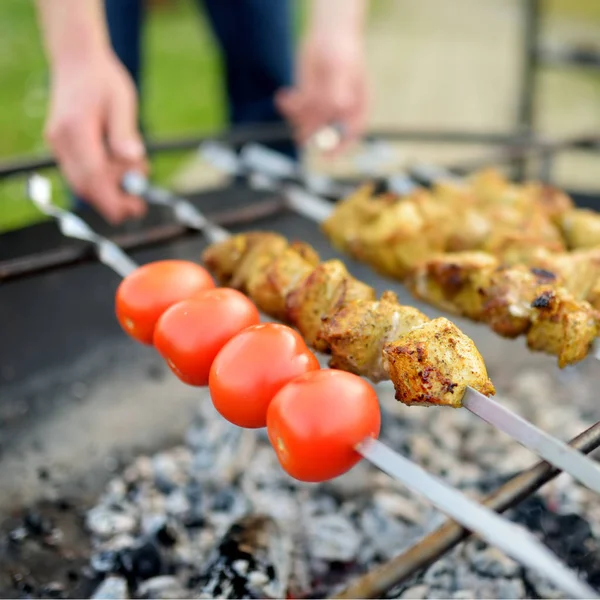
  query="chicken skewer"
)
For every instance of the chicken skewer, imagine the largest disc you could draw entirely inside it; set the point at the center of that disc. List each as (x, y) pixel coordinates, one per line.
(135, 183)
(394, 237)
(515, 540)
(430, 362)
(522, 431)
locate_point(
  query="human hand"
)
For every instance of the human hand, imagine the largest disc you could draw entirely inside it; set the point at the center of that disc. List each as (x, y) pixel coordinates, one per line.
(331, 87)
(92, 130)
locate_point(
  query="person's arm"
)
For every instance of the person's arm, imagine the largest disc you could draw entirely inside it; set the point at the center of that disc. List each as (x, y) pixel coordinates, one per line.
(331, 84)
(337, 16)
(92, 120)
(73, 31)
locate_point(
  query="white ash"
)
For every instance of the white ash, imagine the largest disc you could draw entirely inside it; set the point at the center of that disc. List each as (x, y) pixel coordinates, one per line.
(217, 517)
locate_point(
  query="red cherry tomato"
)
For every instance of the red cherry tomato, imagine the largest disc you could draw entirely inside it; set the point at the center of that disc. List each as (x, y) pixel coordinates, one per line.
(144, 295)
(190, 334)
(252, 367)
(315, 421)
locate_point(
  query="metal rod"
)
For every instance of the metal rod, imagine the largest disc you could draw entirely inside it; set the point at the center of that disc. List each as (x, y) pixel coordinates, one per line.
(425, 552)
(275, 133)
(34, 264)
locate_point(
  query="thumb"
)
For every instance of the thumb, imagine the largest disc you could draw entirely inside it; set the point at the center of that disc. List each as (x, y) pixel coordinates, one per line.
(124, 140)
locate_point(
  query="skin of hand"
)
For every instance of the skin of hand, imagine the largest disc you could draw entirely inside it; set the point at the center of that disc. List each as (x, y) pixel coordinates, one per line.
(331, 84)
(92, 130)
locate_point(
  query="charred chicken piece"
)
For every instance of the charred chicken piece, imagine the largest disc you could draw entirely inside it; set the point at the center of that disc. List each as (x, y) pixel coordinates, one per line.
(562, 326)
(338, 314)
(447, 281)
(433, 364)
(513, 301)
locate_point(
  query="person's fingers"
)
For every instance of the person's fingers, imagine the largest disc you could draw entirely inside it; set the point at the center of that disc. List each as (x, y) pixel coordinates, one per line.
(123, 137)
(133, 206)
(87, 166)
(78, 146)
(353, 120)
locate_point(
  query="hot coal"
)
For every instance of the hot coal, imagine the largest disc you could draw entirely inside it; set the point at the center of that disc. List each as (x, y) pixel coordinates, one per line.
(217, 517)
(568, 535)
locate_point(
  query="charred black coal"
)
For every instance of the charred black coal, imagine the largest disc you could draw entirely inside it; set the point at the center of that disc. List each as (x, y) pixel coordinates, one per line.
(569, 536)
(243, 564)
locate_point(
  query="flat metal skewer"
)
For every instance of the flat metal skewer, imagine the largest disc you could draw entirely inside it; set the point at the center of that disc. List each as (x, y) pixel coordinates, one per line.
(497, 530)
(39, 191)
(551, 449)
(185, 212)
(513, 539)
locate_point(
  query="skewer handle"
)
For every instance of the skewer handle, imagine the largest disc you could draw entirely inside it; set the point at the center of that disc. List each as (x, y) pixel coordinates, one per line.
(39, 191)
(185, 212)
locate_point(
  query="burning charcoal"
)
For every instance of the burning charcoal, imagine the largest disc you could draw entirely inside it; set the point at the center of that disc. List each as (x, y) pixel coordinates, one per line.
(112, 588)
(333, 537)
(140, 563)
(116, 491)
(166, 536)
(224, 500)
(177, 503)
(387, 535)
(441, 575)
(398, 506)
(171, 469)
(164, 587)
(417, 592)
(18, 534)
(106, 559)
(54, 589)
(252, 560)
(140, 470)
(36, 524)
(509, 588)
(491, 562)
(106, 522)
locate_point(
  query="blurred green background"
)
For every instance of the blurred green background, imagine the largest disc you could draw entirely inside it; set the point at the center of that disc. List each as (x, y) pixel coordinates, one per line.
(182, 83)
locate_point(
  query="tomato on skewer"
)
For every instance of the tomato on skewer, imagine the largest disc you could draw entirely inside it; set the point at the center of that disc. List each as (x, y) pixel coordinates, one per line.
(191, 333)
(144, 295)
(316, 420)
(252, 367)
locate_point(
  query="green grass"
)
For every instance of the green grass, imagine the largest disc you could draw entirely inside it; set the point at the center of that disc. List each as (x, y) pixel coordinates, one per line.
(182, 90)
(574, 9)
(182, 85)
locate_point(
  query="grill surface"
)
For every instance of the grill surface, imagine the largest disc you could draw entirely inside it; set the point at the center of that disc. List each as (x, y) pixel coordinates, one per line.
(68, 375)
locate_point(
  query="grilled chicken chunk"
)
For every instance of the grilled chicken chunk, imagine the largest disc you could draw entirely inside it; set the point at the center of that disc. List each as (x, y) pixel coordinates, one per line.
(340, 315)
(488, 249)
(356, 333)
(433, 364)
(562, 326)
(513, 301)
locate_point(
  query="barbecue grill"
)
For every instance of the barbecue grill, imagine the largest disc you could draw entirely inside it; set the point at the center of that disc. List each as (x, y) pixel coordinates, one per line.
(75, 368)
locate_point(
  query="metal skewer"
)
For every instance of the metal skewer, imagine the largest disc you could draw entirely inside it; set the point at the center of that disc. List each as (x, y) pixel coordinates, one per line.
(39, 191)
(185, 212)
(512, 539)
(523, 546)
(551, 449)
